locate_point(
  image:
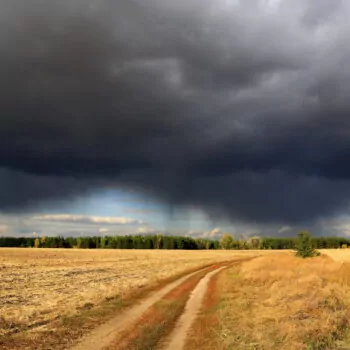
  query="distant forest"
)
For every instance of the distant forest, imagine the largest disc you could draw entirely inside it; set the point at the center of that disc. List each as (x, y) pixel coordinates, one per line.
(167, 242)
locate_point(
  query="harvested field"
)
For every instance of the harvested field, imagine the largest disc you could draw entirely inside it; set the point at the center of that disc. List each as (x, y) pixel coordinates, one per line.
(40, 285)
(56, 298)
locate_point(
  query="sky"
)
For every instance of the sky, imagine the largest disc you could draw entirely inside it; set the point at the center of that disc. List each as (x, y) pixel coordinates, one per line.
(192, 117)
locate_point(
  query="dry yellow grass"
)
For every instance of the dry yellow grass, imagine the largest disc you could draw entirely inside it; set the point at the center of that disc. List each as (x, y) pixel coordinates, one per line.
(278, 302)
(38, 285)
(342, 255)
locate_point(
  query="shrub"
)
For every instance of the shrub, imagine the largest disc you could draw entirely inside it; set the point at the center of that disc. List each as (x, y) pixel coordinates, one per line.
(304, 247)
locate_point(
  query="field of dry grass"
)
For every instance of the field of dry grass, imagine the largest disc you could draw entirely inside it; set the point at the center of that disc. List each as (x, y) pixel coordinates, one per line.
(275, 301)
(39, 285)
(278, 302)
(342, 255)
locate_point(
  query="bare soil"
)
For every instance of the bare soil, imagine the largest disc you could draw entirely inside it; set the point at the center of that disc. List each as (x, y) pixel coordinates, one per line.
(177, 338)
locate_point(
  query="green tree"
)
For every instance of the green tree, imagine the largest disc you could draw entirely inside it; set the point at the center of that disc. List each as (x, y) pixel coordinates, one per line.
(43, 241)
(103, 243)
(226, 241)
(304, 247)
(79, 243)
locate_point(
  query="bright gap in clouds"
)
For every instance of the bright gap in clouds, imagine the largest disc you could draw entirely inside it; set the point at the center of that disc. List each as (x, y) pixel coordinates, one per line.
(108, 212)
(114, 212)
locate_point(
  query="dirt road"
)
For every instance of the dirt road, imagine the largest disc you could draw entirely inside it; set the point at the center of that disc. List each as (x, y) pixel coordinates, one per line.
(177, 338)
(101, 337)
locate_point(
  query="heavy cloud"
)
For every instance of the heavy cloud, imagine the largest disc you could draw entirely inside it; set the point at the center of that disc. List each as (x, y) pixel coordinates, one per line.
(237, 107)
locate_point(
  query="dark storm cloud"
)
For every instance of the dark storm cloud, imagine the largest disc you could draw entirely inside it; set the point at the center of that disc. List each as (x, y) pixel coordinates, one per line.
(21, 191)
(238, 107)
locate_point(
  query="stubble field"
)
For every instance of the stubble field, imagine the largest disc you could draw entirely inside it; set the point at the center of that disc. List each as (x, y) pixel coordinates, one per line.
(40, 285)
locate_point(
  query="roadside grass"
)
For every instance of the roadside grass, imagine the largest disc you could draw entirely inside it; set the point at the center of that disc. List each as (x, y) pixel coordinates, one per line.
(276, 302)
(203, 334)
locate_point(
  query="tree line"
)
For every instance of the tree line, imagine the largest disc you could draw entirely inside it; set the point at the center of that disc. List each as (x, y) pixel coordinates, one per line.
(111, 242)
(227, 241)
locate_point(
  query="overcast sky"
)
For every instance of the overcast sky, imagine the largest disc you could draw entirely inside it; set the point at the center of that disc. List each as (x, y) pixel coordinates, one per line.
(193, 116)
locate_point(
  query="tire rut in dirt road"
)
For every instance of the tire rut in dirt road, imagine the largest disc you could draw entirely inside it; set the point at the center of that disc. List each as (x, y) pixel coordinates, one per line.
(176, 340)
(103, 335)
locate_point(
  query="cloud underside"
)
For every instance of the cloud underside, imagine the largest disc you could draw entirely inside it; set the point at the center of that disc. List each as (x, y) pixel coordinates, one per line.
(239, 109)
(85, 219)
(69, 225)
